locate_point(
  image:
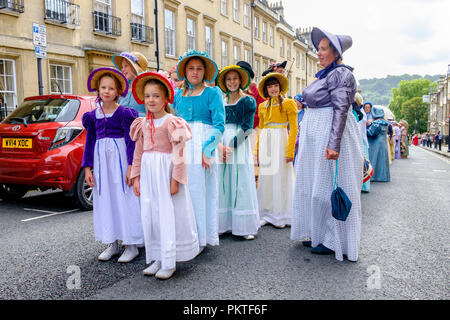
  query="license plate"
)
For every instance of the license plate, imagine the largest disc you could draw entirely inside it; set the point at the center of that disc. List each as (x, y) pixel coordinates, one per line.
(17, 143)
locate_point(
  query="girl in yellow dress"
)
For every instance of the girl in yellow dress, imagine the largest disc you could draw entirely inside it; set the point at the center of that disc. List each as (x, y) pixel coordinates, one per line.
(276, 146)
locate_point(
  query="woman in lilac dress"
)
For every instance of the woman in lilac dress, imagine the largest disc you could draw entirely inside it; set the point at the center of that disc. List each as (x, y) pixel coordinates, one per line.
(329, 136)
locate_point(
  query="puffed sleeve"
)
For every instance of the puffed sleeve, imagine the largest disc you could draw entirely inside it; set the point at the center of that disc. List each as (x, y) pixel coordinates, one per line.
(128, 116)
(137, 135)
(217, 111)
(179, 133)
(291, 109)
(88, 121)
(342, 88)
(248, 106)
(261, 115)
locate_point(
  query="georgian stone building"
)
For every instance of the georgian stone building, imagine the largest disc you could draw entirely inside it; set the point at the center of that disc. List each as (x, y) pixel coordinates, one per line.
(439, 111)
(83, 34)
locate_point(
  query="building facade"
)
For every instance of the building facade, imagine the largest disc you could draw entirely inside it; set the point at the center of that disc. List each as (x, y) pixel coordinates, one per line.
(82, 35)
(439, 111)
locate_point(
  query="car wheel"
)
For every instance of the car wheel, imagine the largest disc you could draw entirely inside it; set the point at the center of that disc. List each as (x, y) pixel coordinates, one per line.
(11, 192)
(83, 195)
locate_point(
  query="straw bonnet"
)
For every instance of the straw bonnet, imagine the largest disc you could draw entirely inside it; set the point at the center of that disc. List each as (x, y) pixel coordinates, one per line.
(95, 75)
(404, 122)
(243, 74)
(341, 42)
(139, 83)
(136, 59)
(284, 83)
(211, 67)
(358, 99)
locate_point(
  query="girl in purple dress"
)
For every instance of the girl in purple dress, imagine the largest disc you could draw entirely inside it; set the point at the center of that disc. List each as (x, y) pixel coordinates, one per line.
(109, 154)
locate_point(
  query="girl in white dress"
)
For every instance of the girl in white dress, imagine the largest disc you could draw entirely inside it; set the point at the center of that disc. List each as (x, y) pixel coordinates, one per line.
(109, 154)
(160, 177)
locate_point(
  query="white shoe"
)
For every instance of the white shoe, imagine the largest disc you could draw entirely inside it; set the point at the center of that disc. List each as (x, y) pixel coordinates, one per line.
(140, 246)
(165, 274)
(131, 252)
(249, 237)
(262, 222)
(280, 227)
(153, 269)
(111, 251)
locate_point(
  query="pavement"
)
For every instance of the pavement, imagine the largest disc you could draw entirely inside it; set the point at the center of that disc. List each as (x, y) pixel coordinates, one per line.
(442, 152)
(404, 252)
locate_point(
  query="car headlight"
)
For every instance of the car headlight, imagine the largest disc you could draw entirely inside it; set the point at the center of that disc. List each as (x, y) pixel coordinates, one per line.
(65, 135)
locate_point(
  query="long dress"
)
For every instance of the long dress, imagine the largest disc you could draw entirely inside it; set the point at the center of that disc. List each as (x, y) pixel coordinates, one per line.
(168, 221)
(205, 115)
(109, 151)
(276, 177)
(329, 123)
(397, 140)
(404, 143)
(238, 203)
(363, 129)
(378, 150)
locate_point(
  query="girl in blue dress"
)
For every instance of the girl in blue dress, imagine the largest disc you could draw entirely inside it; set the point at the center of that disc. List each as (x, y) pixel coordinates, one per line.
(202, 108)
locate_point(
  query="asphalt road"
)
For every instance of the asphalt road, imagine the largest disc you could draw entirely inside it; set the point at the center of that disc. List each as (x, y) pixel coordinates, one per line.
(404, 252)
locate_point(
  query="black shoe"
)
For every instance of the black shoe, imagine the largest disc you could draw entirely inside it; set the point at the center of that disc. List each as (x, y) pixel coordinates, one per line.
(306, 244)
(321, 249)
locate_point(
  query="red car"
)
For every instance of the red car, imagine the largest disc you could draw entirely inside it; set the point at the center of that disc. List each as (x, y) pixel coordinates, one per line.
(41, 147)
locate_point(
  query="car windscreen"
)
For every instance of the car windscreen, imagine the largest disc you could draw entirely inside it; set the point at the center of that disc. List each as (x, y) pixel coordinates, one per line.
(45, 110)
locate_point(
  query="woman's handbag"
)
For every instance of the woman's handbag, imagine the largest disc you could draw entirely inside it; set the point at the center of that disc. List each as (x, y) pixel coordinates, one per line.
(340, 203)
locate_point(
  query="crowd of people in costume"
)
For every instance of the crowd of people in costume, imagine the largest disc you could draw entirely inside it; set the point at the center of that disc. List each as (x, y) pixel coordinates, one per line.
(178, 158)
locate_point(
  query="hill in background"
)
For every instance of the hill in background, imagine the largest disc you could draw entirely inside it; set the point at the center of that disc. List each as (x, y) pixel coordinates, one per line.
(379, 90)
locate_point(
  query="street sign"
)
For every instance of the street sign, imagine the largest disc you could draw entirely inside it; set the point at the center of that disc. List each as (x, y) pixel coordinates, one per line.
(40, 52)
(39, 35)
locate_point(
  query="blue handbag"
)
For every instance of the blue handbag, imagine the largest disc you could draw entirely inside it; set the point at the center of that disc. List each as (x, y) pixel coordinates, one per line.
(340, 203)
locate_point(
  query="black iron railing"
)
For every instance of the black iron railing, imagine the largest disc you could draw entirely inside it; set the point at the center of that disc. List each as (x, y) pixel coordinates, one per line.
(14, 5)
(142, 33)
(62, 11)
(107, 24)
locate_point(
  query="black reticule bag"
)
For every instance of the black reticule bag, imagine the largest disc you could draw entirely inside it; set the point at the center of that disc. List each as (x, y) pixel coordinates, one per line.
(340, 203)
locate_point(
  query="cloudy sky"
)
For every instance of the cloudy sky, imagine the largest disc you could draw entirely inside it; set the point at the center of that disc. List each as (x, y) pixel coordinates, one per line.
(390, 37)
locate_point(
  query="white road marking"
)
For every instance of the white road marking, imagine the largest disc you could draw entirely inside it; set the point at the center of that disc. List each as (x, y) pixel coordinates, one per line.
(437, 170)
(50, 213)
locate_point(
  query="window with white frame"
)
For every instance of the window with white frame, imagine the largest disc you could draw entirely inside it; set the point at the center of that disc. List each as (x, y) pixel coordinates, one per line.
(224, 53)
(8, 91)
(60, 79)
(303, 61)
(288, 50)
(246, 15)
(137, 11)
(271, 35)
(102, 12)
(209, 41)
(190, 30)
(236, 10)
(257, 71)
(297, 59)
(281, 47)
(169, 23)
(224, 7)
(257, 27)
(236, 53)
(247, 55)
(264, 65)
(264, 31)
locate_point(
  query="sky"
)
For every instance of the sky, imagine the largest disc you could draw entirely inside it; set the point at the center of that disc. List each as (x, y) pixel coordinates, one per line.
(390, 37)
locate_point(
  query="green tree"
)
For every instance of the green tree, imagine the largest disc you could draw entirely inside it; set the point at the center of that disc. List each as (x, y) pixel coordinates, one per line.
(415, 109)
(406, 91)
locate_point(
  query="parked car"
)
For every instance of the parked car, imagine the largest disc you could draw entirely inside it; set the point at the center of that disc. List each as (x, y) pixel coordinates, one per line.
(41, 147)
